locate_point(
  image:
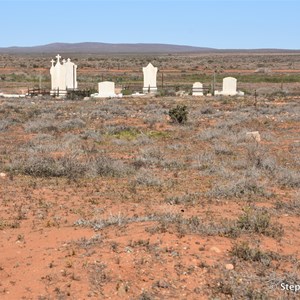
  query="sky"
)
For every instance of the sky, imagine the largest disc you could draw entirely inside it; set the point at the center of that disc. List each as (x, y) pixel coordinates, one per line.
(222, 24)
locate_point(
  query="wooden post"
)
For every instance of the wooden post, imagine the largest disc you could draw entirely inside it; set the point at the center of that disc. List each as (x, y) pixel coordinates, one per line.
(213, 85)
(40, 81)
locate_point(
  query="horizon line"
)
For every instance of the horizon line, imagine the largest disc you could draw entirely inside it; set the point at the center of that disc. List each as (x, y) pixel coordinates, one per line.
(147, 43)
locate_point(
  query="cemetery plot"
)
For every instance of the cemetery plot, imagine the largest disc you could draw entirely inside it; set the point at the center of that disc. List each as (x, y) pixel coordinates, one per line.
(264, 73)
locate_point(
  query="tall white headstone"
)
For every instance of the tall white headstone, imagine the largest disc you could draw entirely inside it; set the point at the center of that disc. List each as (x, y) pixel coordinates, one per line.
(71, 75)
(229, 87)
(63, 76)
(53, 77)
(150, 73)
(197, 89)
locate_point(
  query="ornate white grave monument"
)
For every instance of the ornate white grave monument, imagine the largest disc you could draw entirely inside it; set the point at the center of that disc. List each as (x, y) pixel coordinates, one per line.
(197, 89)
(229, 87)
(63, 76)
(150, 73)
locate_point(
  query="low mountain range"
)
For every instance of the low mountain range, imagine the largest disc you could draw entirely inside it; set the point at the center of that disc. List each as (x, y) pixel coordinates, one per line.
(124, 48)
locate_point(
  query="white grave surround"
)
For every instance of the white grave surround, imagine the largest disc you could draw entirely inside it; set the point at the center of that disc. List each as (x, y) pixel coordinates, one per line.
(137, 94)
(229, 88)
(197, 89)
(106, 89)
(63, 76)
(150, 73)
(12, 95)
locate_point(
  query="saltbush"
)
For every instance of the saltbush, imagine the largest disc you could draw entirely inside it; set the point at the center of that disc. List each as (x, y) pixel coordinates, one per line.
(179, 114)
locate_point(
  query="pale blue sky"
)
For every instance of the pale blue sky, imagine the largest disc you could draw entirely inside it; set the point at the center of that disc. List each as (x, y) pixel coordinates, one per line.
(204, 23)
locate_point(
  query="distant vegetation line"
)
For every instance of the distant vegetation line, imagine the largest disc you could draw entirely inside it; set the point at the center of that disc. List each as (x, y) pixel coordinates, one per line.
(91, 47)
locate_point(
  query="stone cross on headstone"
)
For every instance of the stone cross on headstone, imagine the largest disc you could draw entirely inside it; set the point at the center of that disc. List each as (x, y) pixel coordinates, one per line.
(58, 57)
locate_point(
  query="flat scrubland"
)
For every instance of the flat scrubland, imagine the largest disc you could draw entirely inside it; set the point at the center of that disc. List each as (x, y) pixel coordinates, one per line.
(264, 72)
(110, 199)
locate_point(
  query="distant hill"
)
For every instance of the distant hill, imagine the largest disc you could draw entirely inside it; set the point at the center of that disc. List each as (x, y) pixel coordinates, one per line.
(98, 48)
(105, 48)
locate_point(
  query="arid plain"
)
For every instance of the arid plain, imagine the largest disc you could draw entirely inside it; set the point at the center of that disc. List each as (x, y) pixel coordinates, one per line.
(110, 199)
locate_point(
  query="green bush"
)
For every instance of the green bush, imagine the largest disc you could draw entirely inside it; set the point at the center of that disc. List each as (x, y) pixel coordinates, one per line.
(127, 92)
(179, 114)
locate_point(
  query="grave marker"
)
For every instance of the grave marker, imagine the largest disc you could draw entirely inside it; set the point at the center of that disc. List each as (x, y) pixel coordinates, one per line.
(150, 73)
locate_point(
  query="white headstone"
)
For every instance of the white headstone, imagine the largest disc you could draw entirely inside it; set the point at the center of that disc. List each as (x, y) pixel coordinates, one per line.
(197, 89)
(71, 75)
(63, 76)
(229, 87)
(53, 77)
(106, 89)
(150, 73)
(58, 78)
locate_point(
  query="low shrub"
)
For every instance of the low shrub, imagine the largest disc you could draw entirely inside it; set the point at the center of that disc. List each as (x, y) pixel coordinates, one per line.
(179, 114)
(104, 166)
(245, 252)
(66, 166)
(259, 221)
